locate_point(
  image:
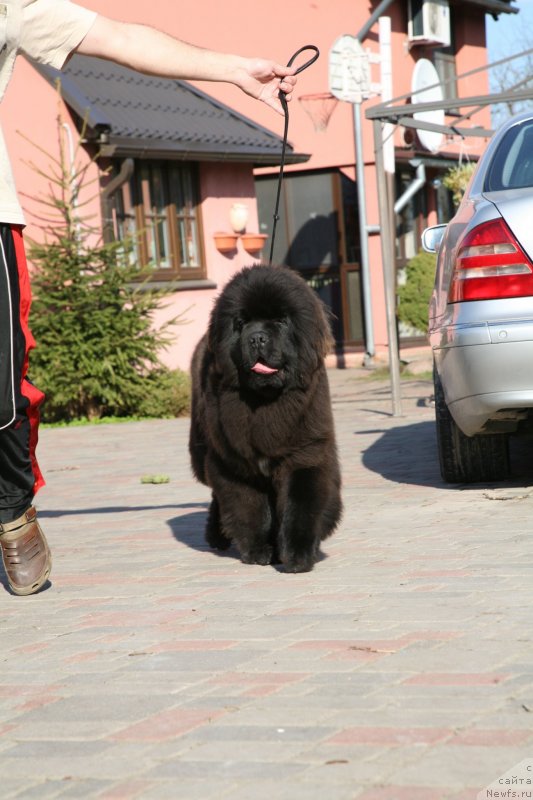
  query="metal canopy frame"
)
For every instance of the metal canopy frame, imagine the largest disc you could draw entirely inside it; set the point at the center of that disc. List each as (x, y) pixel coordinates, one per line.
(400, 114)
(393, 112)
(490, 6)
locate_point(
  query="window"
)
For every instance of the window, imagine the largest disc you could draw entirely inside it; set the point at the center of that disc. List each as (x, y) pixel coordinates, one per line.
(317, 235)
(158, 208)
(307, 232)
(512, 163)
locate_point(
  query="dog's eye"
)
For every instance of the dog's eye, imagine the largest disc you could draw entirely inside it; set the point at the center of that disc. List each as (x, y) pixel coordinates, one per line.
(238, 324)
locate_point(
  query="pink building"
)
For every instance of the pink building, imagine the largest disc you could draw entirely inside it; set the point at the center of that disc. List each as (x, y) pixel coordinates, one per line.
(187, 160)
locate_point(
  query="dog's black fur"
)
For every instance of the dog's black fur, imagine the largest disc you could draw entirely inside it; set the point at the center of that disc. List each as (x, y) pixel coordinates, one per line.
(262, 434)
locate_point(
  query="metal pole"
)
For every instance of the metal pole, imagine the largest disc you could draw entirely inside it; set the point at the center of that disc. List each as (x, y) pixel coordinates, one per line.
(386, 91)
(383, 6)
(363, 236)
(387, 252)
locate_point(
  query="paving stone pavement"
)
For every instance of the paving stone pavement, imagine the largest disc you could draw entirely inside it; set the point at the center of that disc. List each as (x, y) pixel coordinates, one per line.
(401, 668)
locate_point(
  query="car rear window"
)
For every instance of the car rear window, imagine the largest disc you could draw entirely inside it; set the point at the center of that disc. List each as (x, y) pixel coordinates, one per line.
(512, 165)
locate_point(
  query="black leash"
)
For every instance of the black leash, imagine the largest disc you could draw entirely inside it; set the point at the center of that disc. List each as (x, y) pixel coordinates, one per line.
(284, 105)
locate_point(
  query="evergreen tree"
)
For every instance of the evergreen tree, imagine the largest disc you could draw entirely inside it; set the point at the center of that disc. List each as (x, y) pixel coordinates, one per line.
(97, 348)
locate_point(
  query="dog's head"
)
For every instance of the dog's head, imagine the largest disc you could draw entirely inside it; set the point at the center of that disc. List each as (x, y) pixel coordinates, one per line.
(268, 331)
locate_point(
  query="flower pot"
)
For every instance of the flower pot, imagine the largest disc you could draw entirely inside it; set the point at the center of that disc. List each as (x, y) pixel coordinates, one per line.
(225, 242)
(253, 242)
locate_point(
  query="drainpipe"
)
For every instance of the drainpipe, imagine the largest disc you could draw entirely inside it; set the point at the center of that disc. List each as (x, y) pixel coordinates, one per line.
(413, 187)
(126, 171)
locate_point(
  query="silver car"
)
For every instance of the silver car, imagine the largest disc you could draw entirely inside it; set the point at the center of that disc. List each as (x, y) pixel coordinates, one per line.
(481, 311)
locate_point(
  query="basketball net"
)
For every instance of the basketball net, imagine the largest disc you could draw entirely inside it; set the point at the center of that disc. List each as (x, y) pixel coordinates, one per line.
(319, 107)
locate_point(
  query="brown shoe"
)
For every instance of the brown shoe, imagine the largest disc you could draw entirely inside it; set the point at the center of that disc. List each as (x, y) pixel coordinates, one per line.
(25, 552)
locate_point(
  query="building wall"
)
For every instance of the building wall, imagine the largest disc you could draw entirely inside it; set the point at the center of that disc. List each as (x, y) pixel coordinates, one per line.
(274, 30)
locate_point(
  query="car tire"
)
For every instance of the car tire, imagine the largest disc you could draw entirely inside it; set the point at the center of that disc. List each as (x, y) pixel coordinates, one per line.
(467, 459)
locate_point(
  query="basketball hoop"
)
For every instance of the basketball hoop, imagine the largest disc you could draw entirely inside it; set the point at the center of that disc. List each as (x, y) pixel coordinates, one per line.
(319, 107)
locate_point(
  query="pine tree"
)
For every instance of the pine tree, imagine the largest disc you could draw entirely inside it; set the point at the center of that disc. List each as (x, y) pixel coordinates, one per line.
(97, 348)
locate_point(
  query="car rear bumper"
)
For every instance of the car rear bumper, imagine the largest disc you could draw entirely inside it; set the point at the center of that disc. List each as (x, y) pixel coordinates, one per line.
(487, 373)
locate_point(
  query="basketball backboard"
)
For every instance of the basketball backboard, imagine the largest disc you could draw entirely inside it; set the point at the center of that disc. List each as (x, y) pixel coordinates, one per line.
(349, 70)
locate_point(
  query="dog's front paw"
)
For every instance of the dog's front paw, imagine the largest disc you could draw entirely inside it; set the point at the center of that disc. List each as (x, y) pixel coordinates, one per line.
(260, 554)
(300, 560)
(299, 564)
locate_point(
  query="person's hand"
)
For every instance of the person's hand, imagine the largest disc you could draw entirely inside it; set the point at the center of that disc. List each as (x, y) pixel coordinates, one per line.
(263, 80)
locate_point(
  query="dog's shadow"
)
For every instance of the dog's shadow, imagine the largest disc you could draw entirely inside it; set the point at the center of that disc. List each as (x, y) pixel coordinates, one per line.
(189, 529)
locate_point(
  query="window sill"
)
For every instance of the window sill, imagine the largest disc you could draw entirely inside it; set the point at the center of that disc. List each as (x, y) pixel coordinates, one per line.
(174, 285)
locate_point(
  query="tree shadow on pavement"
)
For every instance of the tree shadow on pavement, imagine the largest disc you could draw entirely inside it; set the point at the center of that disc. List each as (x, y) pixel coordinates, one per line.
(72, 512)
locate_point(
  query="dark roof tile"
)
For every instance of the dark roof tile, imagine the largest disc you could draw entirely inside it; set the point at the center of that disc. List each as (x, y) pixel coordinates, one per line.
(144, 114)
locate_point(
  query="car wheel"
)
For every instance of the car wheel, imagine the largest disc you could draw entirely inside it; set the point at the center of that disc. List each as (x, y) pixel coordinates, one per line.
(467, 459)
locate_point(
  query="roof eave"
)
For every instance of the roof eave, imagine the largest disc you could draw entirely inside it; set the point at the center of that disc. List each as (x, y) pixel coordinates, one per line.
(116, 147)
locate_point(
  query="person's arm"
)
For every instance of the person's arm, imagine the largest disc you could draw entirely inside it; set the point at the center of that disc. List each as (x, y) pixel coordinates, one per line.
(155, 53)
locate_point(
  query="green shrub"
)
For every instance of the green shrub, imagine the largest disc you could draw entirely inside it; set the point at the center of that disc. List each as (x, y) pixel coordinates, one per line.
(167, 394)
(415, 293)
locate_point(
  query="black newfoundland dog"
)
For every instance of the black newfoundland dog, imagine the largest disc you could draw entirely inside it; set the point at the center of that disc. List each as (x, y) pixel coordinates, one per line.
(262, 434)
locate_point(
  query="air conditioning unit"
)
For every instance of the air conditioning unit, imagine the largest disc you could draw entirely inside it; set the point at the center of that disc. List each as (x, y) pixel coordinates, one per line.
(429, 22)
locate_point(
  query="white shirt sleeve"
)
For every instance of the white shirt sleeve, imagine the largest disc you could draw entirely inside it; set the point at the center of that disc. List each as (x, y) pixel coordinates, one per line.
(52, 29)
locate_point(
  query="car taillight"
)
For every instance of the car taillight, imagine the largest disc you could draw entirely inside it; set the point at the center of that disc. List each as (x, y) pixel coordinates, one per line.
(490, 264)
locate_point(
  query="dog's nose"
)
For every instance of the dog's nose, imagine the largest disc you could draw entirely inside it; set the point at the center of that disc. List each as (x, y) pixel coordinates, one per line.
(258, 339)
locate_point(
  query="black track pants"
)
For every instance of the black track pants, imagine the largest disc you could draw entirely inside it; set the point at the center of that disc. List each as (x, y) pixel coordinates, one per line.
(20, 477)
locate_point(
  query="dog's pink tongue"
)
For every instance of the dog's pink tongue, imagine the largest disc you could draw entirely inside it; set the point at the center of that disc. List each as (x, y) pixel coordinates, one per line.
(263, 369)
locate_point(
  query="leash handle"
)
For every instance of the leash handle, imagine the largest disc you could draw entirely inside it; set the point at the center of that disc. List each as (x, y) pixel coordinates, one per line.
(307, 63)
(285, 107)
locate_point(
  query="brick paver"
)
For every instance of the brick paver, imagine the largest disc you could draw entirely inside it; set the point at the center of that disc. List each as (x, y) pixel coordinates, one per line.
(399, 669)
